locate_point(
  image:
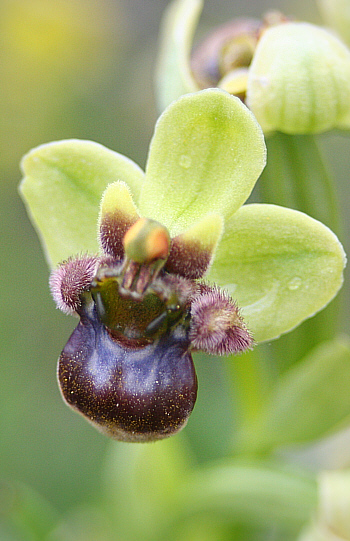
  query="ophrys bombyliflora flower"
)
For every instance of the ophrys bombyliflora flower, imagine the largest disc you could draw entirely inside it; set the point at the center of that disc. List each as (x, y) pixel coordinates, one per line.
(149, 291)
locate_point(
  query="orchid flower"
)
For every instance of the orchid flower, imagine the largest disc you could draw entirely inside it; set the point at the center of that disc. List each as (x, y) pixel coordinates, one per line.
(179, 263)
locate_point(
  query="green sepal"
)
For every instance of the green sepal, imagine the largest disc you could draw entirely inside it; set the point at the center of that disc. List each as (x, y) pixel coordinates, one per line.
(280, 265)
(62, 188)
(206, 154)
(173, 73)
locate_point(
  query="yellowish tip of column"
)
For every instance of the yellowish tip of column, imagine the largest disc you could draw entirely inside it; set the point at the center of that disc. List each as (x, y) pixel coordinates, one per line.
(146, 241)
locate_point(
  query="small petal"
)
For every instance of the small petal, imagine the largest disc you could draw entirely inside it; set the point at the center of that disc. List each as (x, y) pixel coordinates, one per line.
(216, 325)
(70, 280)
(235, 82)
(117, 214)
(192, 252)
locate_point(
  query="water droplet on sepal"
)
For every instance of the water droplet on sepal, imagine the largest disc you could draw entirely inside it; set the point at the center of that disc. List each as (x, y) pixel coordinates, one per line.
(294, 283)
(185, 161)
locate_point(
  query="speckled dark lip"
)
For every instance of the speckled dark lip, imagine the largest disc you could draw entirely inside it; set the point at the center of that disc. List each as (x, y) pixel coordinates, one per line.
(130, 394)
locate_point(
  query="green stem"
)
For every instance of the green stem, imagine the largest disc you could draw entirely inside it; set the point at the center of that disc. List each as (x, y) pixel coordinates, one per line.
(296, 177)
(251, 376)
(245, 370)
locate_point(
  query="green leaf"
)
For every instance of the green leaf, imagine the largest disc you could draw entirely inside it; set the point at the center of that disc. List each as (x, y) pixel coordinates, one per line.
(310, 400)
(62, 188)
(85, 522)
(25, 512)
(280, 265)
(255, 494)
(205, 157)
(173, 74)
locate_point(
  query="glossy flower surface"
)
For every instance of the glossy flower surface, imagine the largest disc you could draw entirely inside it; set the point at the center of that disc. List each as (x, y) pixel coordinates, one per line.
(294, 76)
(138, 286)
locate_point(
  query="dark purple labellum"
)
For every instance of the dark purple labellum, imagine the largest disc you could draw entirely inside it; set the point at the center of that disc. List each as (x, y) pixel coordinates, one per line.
(132, 395)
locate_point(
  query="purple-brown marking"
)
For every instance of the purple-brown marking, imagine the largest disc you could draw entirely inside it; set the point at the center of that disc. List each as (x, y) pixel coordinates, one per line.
(112, 230)
(188, 258)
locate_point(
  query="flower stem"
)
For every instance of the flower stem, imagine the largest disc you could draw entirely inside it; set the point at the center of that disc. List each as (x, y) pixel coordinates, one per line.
(250, 376)
(296, 176)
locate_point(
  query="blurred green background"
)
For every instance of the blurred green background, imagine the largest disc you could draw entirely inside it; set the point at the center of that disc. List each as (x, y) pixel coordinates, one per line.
(83, 69)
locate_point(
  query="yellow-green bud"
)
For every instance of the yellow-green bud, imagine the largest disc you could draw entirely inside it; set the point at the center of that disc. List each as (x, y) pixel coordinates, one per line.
(299, 80)
(336, 14)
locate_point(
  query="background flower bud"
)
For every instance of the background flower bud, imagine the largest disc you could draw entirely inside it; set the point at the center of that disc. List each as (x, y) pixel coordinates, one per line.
(299, 80)
(336, 14)
(332, 521)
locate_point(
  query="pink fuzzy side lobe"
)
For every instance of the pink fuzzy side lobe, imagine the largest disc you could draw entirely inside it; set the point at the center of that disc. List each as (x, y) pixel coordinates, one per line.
(70, 279)
(216, 324)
